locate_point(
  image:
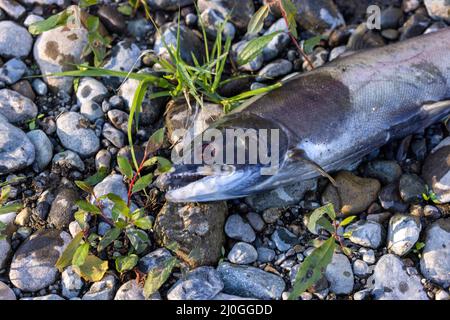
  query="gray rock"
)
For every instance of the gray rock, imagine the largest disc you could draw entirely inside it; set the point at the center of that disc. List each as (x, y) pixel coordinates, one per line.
(196, 229)
(168, 4)
(74, 228)
(155, 260)
(75, 134)
(414, 26)
(279, 42)
(392, 282)
(43, 149)
(438, 9)
(71, 283)
(139, 27)
(119, 119)
(236, 228)
(91, 110)
(39, 87)
(255, 221)
(360, 268)
(265, 254)
(436, 171)
(15, 107)
(103, 289)
(68, 160)
(113, 135)
(411, 188)
(403, 233)
(15, 41)
(33, 265)
(131, 290)
(111, 184)
(435, 261)
(366, 233)
(46, 297)
(340, 275)
(5, 251)
(281, 197)
(124, 57)
(12, 8)
(16, 150)
(203, 283)
(239, 12)
(63, 208)
(32, 18)
(46, 2)
(275, 69)
(246, 281)
(337, 52)
(59, 50)
(91, 89)
(242, 253)
(103, 159)
(368, 255)
(390, 199)
(12, 71)
(251, 66)
(387, 171)
(440, 295)
(6, 293)
(212, 20)
(284, 239)
(190, 43)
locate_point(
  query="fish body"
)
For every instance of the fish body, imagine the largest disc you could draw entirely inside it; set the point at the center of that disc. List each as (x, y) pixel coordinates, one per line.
(335, 115)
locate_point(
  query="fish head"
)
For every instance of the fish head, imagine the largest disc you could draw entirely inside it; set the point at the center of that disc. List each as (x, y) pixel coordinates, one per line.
(233, 158)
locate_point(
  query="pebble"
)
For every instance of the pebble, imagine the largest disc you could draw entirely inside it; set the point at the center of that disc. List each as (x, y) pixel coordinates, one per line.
(112, 19)
(124, 57)
(275, 69)
(392, 282)
(436, 171)
(103, 159)
(58, 50)
(353, 194)
(440, 295)
(251, 66)
(242, 253)
(360, 268)
(75, 134)
(368, 255)
(202, 283)
(435, 261)
(33, 265)
(368, 234)
(155, 260)
(279, 42)
(119, 119)
(90, 89)
(255, 221)
(239, 12)
(91, 110)
(15, 41)
(63, 208)
(246, 281)
(12, 71)
(131, 290)
(12, 8)
(237, 228)
(43, 149)
(32, 18)
(212, 20)
(113, 135)
(17, 151)
(5, 251)
(411, 188)
(340, 275)
(24, 88)
(68, 160)
(284, 239)
(265, 254)
(6, 293)
(197, 230)
(15, 107)
(71, 283)
(39, 87)
(387, 171)
(168, 4)
(403, 233)
(103, 289)
(318, 16)
(390, 199)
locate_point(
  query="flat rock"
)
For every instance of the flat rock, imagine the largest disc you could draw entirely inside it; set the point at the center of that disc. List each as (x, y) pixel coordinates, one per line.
(6, 293)
(391, 281)
(435, 261)
(339, 274)
(15, 107)
(75, 134)
(15, 41)
(403, 233)
(33, 265)
(43, 149)
(203, 283)
(242, 253)
(250, 282)
(103, 289)
(63, 208)
(197, 229)
(16, 150)
(366, 233)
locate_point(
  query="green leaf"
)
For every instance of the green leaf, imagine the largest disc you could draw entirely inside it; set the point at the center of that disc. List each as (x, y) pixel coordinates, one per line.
(14, 207)
(318, 214)
(139, 239)
(52, 22)
(313, 267)
(291, 12)
(157, 277)
(325, 224)
(311, 43)
(155, 142)
(126, 10)
(164, 165)
(142, 183)
(126, 263)
(5, 194)
(108, 238)
(98, 177)
(257, 21)
(254, 48)
(125, 167)
(419, 246)
(88, 207)
(66, 257)
(79, 257)
(144, 223)
(347, 251)
(93, 269)
(120, 206)
(84, 186)
(87, 3)
(347, 221)
(80, 217)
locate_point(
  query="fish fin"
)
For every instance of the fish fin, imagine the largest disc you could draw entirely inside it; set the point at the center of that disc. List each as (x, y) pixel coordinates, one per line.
(298, 155)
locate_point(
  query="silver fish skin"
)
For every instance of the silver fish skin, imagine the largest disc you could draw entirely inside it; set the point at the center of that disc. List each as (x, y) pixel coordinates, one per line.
(334, 115)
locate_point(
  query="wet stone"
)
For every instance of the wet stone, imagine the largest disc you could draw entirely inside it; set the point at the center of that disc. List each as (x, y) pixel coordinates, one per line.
(237, 228)
(242, 253)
